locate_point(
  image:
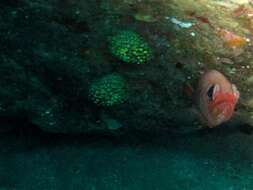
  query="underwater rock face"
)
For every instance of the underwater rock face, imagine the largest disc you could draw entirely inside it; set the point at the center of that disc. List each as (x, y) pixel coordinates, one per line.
(52, 52)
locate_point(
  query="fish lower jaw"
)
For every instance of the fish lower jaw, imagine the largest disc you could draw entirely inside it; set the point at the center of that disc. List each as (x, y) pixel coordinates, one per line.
(218, 117)
(221, 118)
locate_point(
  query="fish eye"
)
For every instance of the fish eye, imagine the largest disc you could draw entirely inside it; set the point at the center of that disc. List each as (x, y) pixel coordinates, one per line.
(210, 92)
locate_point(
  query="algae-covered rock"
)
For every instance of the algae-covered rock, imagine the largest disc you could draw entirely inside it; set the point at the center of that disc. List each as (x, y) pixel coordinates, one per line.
(59, 59)
(12, 93)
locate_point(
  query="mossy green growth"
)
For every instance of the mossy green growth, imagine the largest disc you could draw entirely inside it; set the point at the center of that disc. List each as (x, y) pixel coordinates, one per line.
(130, 47)
(109, 90)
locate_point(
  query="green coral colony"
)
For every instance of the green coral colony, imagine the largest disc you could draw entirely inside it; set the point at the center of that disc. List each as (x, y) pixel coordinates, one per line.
(130, 47)
(109, 90)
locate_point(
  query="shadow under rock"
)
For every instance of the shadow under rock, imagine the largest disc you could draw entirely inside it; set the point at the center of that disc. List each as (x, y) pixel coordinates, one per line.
(28, 136)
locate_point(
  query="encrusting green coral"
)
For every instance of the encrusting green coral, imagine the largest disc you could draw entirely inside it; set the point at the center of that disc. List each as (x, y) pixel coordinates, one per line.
(109, 90)
(130, 47)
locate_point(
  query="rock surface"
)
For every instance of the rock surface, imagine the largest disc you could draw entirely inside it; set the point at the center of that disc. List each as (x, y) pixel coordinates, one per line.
(51, 51)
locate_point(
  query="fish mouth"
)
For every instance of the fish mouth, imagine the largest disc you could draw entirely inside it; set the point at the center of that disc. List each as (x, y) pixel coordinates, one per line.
(223, 100)
(222, 112)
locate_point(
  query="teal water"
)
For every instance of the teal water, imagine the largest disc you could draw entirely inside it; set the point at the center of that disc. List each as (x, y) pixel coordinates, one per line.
(135, 162)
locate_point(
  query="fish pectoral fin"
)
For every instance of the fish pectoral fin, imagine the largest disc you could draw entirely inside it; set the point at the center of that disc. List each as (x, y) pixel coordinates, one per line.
(235, 91)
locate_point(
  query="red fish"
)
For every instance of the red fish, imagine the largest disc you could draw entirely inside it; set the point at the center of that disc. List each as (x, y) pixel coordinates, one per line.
(216, 98)
(201, 19)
